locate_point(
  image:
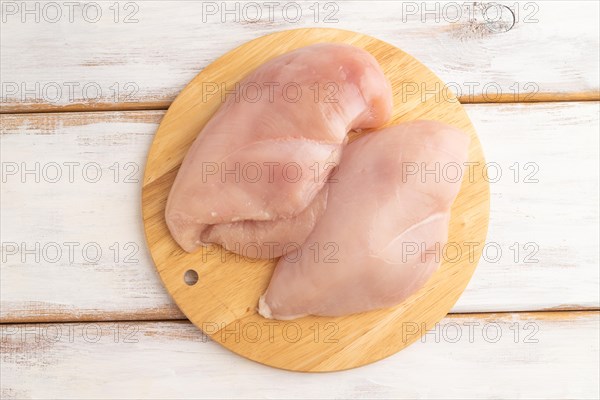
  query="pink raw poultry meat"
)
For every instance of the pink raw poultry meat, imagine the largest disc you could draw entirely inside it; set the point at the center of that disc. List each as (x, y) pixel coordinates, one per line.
(264, 158)
(357, 257)
(268, 239)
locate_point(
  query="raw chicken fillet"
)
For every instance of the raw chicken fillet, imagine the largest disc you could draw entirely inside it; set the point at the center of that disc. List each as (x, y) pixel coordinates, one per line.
(384, 222)
(256, 171)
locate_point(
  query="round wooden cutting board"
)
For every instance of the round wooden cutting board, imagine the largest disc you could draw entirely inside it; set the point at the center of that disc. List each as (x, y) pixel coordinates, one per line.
(223, 300)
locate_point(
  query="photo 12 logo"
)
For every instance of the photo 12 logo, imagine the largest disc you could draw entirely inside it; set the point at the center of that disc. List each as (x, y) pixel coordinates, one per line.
(69, 11)
(269, 11)
(492, 16)
(271, 92)
(271, 332)
(455, 331)
(68, 92)
(70, 333)
(70, 253)
(70, 172)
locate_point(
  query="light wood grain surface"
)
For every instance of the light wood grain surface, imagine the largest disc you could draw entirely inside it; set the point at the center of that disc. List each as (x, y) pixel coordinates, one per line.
(555, 142)
(551, 52)
(475, 356)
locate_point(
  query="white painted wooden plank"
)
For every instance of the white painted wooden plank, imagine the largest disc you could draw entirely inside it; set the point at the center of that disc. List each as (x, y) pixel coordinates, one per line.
(537, 355)
(545, 218)
(80, 247)
(552, 51)
(555, 221)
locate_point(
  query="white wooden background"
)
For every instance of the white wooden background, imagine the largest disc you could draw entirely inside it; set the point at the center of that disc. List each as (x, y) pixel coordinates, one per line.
(80, 97)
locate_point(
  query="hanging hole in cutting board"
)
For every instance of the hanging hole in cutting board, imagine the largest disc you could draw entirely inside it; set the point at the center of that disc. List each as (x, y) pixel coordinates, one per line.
(190, 277)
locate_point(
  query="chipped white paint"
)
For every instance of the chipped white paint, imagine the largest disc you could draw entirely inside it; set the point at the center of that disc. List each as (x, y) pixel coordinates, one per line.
(559, 214)
(538, 355)
(552, 49)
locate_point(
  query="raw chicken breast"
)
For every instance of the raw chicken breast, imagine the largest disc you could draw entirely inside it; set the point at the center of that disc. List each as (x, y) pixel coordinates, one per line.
(373, 246)
(267, 151)
(268, 239)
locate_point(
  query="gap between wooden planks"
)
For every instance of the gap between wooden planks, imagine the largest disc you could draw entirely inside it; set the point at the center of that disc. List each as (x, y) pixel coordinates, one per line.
(167, 46)
(164, 105)
(177, 316)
